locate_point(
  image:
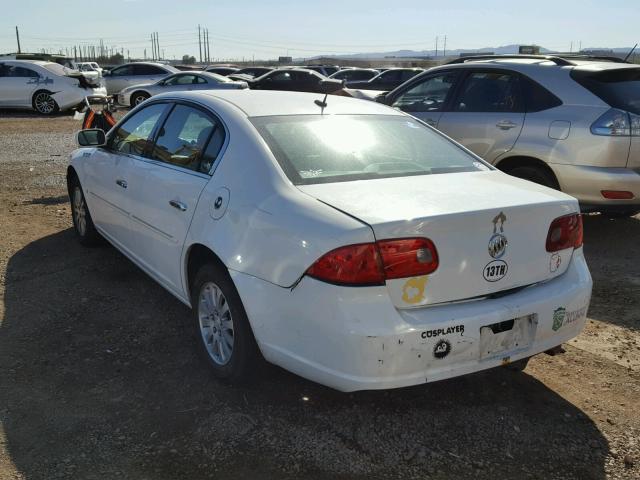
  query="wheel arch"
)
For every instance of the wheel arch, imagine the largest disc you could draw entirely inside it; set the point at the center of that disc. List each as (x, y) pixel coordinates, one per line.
(509, 163)
(34, 94)
(71, 174)
(198, 254)
(136, 92)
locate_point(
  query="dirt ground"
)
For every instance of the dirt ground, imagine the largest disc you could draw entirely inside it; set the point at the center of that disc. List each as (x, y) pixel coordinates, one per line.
(99, 380)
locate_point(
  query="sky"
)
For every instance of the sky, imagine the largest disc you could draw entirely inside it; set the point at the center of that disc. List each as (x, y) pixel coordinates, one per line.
(267, 29)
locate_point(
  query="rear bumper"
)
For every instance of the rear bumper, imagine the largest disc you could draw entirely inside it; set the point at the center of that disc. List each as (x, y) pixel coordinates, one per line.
(586, 183)
(355, 339)
(123, 99)
(69, 98)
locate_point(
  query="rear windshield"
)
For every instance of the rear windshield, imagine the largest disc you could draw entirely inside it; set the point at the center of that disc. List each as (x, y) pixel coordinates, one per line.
(58, 69)
(620, 88)
(338, 148)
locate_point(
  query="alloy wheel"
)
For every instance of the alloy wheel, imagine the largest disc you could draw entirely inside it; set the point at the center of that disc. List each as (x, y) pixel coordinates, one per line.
(216, 323)
(45, 103)
(79, 211)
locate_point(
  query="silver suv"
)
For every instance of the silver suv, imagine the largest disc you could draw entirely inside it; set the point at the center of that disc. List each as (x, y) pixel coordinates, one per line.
(571, 123)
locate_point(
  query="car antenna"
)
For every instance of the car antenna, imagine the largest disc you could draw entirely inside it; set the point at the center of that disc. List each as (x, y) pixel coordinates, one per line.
(322, 103)
(629, 54)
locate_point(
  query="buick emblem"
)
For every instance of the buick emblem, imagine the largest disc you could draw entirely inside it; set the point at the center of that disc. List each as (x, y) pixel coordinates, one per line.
(497, 245)
(498, 242)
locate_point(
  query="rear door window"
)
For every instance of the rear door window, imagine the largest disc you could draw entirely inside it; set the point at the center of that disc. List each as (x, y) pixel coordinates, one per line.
(490, 92)
(536, 97)
(390, 76)
(20, 72)
(407, 74)
(148, 70)
(620, 88)
(123, 71)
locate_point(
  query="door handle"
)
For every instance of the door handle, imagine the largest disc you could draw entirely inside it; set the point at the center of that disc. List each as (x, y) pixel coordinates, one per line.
(179, 205)
(506, 124)
(122, 183)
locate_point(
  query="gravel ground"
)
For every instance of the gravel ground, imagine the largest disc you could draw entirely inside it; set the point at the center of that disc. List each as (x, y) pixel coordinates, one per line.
(99, 380)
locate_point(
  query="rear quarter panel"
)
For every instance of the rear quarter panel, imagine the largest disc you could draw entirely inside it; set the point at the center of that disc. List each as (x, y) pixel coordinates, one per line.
(270, 229)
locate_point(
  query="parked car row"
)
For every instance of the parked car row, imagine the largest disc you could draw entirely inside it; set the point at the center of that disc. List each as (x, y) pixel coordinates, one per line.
(570, 123)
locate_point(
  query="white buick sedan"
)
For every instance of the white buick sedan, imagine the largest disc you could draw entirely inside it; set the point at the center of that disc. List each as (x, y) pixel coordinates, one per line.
(340, 239)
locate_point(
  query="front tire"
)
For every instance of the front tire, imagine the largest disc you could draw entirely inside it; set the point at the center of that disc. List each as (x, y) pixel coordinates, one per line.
(82, 221)
(224, 336)
(44, 103)
(137, 98)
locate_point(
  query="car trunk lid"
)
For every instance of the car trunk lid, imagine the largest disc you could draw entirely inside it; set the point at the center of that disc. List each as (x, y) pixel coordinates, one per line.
(489, 229)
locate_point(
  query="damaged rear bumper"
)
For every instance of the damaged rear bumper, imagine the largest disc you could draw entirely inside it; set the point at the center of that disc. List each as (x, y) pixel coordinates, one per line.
(355, 339)
(70, 98)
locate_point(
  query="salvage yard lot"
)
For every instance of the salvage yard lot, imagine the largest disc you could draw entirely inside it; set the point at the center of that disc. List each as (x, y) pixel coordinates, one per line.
(99, 379)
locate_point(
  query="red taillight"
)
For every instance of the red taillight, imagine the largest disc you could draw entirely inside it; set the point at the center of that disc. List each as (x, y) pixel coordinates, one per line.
(373, 263)
(408, 257)
(565, 232)
(351, 265)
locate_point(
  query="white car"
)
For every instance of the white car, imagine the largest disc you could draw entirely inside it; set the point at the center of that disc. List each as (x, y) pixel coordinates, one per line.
(183, 81)
(89, 67)
(342, 240)
(43, 86)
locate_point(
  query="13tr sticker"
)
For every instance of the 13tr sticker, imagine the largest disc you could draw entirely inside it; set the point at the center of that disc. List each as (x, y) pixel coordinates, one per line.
(495, 270)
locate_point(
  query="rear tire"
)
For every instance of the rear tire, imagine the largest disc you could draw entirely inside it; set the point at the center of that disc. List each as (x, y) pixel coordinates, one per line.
(82, 221)
(518, 365)
(137, 98)
(535, 175)
(622, 213)
(224, 336)
(44, 103)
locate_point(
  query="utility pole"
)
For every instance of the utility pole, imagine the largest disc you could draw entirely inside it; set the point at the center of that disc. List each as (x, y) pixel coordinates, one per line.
(571, 47)
(153, 50)
(444, 50)
(200, 43)
(18, 39)
(158, 45)
(436, 47)
(208, 48)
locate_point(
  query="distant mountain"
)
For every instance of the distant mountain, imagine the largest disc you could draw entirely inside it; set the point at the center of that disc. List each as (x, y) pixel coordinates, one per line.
(503, 50)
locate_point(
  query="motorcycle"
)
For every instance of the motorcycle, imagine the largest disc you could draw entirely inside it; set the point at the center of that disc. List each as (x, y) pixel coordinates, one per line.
(99, 118)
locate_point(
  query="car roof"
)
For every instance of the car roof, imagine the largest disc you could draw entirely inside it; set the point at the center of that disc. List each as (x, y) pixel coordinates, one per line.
(260, 103)
(559, 60)
(41, 63)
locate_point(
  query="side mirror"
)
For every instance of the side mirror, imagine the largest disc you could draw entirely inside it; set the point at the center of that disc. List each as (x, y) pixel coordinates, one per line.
(330, 85)
(91, 137)
(382, 98)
